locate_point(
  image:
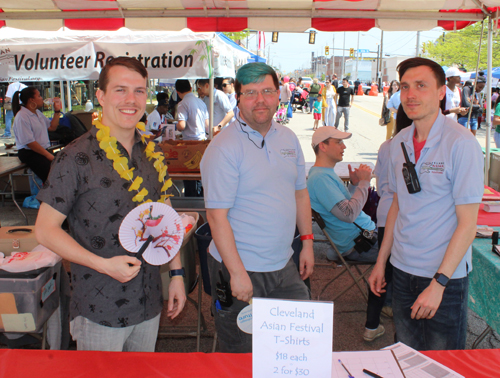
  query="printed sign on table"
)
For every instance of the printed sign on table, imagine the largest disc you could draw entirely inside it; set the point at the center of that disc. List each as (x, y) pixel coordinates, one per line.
(292, 338)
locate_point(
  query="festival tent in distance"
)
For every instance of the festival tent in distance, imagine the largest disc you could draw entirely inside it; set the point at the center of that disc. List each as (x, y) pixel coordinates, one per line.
(78, 55)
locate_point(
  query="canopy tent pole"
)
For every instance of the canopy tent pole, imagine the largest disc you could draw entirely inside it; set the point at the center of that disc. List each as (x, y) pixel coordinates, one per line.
(68, 88)
(63, 100)
(211, 61)
(488, 101)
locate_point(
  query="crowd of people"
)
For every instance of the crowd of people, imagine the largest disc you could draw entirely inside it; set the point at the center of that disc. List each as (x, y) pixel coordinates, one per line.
(257, 197)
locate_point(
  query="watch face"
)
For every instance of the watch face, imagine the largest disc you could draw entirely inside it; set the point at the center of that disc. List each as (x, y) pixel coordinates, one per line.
(441, 279)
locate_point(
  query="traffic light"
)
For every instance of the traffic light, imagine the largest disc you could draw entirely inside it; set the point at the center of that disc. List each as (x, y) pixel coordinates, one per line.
(351, 52)
(327, 50)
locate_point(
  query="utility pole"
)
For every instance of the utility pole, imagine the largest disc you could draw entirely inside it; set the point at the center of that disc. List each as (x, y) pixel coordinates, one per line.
(357, 49)
(381, 54)
(418, 45)
(343, 61)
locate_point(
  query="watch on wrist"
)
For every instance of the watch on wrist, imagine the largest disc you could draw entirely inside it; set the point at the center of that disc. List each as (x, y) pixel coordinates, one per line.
(177, 272)
(441, 279)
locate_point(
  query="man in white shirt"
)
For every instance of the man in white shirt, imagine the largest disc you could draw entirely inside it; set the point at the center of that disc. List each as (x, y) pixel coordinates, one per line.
(228, 88)
(223, 112)
(9, 114)
(157, 117)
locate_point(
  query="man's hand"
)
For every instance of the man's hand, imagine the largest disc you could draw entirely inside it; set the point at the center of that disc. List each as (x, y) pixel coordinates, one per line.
(176, 296)
(464, 111)
(121, 268)
(428, 301)
(306, 261)
(364, 172)
(241, 286)
(377, 279)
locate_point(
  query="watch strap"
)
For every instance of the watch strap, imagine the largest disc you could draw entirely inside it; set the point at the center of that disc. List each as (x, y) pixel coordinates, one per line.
(177, 272)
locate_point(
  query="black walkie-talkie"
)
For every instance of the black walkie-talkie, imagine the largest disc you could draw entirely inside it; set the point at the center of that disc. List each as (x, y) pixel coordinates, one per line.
(410, 174)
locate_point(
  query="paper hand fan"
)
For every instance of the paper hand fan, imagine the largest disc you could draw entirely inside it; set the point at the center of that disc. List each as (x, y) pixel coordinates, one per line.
(159, 221)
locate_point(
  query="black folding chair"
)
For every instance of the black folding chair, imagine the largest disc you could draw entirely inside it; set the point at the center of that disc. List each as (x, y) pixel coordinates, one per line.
(348, 266)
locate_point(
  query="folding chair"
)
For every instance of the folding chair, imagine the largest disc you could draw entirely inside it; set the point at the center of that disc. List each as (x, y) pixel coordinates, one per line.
(347, 265)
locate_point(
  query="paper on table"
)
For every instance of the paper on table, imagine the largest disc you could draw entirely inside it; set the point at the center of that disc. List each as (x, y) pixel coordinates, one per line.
(380, 362)
(417, 365)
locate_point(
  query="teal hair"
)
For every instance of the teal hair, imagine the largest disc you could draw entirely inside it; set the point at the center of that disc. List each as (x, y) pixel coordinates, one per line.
(254, 73)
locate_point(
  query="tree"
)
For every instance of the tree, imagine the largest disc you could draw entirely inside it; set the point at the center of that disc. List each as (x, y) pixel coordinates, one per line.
(237, 36)
(462, 47)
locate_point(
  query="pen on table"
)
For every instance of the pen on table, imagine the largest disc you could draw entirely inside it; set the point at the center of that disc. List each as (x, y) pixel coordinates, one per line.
(371, 374)
(348, 373)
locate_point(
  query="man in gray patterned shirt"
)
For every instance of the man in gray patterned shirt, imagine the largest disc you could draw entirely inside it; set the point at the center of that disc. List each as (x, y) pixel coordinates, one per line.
(116, 300)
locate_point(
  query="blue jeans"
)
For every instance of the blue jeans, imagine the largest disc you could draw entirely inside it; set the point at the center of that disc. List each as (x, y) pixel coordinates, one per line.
(446, 330)
(473, 122)
(496, 137)
(9, 114)
(282, 284)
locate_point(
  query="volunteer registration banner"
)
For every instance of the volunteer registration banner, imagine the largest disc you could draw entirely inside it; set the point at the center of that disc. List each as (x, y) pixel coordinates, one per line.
(84, 60)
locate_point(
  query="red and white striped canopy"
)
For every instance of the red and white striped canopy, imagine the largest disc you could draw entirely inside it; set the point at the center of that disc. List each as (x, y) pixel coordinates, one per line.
(236, 15)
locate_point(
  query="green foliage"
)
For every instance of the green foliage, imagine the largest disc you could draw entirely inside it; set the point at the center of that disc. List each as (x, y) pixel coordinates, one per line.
(462, 48)
(237, 36)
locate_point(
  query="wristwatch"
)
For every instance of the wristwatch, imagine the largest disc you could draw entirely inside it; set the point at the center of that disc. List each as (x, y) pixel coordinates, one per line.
(441, 279)
(177, 272)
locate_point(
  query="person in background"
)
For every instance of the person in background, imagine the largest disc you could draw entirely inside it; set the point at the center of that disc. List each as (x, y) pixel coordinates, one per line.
(496, 122)
(335, 82)
(450, 105)
(223, 112)
(192, 115)
(381, 172)
(228, 89)
(329, 92)
(393, 102)
(475, 102)
(317, 111)
(31, 129)
(9, 114)
(158, 116)
(314, 90)
(344, 98)
(255, 196)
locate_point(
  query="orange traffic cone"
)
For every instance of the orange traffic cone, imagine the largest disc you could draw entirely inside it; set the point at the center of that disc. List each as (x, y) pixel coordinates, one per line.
(373, 90)
(360, 90)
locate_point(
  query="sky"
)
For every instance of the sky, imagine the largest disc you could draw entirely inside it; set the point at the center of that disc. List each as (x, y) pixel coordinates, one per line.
(293, 51)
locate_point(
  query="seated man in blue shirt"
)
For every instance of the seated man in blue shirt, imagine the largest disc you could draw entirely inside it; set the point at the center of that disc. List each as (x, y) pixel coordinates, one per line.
(341, 209)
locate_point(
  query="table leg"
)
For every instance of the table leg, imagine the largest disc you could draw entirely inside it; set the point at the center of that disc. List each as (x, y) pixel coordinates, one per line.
(14, 198)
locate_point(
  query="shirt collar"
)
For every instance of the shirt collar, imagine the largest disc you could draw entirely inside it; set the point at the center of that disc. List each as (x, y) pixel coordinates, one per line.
(242, 127)
(434, 135)
(137, 135)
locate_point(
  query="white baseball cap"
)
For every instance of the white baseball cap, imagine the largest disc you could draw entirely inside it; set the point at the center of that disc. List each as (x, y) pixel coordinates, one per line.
(452, 71)
(325, 132)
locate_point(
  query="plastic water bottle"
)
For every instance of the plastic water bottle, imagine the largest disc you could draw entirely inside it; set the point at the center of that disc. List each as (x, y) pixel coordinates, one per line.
(89, 106)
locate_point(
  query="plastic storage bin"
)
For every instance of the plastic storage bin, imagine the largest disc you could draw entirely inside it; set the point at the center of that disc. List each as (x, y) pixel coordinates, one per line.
(27, 300)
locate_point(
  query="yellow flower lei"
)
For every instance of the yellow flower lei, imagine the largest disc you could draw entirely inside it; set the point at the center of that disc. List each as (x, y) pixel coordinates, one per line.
(120, 163)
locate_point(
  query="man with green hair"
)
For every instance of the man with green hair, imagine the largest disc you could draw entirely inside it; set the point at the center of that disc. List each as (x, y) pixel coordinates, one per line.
(253, 174)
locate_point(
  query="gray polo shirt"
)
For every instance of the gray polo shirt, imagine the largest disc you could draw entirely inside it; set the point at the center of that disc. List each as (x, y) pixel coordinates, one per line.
(222, 105)
(83, 185)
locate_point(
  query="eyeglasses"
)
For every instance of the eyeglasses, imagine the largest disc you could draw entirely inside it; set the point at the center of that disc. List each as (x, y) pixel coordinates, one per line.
(266, 93)
(226, 85)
